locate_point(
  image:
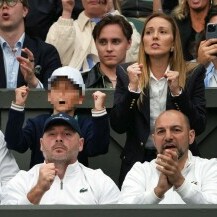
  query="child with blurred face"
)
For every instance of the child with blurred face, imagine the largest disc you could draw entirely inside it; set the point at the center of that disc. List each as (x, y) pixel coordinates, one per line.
(64, 95)
(65, 90)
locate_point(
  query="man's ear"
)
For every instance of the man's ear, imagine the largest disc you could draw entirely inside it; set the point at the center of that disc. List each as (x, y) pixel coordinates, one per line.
(129, 44)
(42, 149)
(49, 96)
(153, 139)
(81, 144)
(81, 99)
(41, 144)
(191, 136)
(25, 11)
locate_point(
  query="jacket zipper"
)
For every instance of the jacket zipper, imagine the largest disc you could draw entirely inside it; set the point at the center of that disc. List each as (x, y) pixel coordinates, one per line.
(61, 185)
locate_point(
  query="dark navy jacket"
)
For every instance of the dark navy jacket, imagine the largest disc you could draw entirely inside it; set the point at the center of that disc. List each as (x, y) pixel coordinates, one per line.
(95, 131)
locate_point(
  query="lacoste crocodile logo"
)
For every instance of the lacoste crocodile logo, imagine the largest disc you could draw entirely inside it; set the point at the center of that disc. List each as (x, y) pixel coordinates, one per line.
(83, 190)
(193, 182)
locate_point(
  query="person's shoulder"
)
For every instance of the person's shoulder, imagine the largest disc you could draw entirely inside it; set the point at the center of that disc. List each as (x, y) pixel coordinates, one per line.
(205, 160)
(29, 174)
(1, 135)
(138, 166)
(191, 66)
(195, 76)
(36, 167)
(205, 163)
(121, 70)
(205, 168)
(194, 68)
(81, 20)
(83, 116)
(93, 173)
(91, 76)
(2, 142)
(139, 169)
(85, 74)
(38, 42)
(182, 21)
(82, 15)
(44, 45)
(123, 66)
(145, 166)
(90, 170)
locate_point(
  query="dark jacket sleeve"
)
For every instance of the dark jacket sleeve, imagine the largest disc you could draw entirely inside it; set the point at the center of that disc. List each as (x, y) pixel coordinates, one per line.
(122, 113)
(49, 60)
(96, 134)
(192, 101)
(14, 135)
(21, 138)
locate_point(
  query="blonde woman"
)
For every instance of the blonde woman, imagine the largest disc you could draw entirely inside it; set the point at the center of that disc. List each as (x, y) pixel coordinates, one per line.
(190, 17)
(159, 81)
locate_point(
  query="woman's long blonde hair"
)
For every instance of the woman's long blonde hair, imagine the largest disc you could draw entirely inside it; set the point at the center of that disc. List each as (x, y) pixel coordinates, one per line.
(181, 11)
(176, 61)
(117, 5)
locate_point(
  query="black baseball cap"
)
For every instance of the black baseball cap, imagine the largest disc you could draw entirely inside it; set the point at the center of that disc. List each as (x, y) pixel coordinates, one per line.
(62, 118)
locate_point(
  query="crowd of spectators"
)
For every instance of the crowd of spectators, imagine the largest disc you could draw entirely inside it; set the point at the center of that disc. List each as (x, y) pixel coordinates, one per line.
(158, 73)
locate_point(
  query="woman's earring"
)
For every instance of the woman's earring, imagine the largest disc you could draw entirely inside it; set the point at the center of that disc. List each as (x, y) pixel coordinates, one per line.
(171, 49)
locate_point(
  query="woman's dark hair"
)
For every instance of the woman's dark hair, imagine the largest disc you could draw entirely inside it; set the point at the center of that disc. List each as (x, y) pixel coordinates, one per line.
(111, 20)
(212, 12)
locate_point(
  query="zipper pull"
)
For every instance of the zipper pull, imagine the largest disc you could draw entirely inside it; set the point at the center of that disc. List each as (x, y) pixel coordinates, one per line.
(61, 185)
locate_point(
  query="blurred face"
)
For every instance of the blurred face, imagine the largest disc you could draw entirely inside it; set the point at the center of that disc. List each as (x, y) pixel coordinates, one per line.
(172, 132)
(110, 5)
(112, 45)
(64, 95)
(94, 8)
(158, 37)
(61, 144)
(11, 18)
(213, 19)
(198, 5)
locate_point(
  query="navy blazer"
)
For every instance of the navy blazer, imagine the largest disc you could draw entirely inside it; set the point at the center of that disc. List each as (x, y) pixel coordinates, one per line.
(45, 56)
(126, 117)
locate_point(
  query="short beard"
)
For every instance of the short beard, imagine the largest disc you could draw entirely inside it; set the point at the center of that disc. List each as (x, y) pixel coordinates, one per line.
(180, 152)
(56, 161)
(59, 161)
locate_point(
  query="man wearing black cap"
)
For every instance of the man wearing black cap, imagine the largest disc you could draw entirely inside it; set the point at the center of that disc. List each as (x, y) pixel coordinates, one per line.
(61, 179)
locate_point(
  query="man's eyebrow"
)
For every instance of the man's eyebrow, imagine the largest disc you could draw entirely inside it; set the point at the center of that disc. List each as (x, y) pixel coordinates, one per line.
(103, 38)
(152, 27)
(159, 128)
(172, 126)
(180, 126)
(69, 128)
